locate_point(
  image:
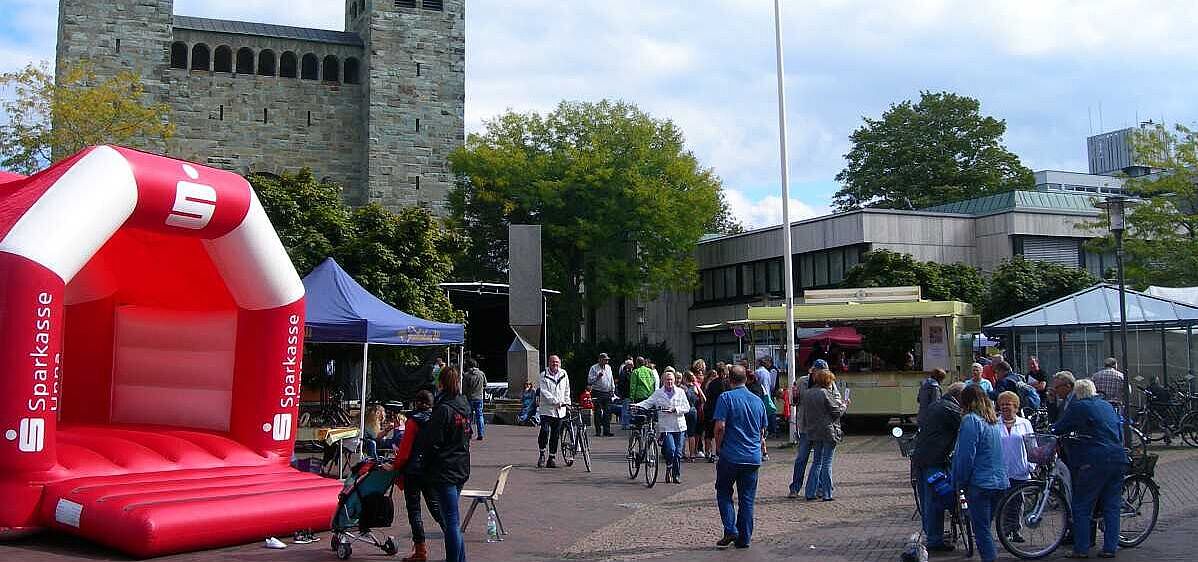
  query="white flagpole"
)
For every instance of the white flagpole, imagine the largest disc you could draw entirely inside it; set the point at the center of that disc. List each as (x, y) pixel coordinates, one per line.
(787, 259)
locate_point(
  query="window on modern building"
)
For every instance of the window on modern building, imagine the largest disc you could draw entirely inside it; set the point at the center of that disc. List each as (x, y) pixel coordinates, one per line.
(774, 272)
(200, 58)
(806, 275)
(222, 59)
(352, 70)
(266, 63)
(821, 269)
(405, 3)
(179, 55)
(435, 5)
(731, 289)
(287, 65)
(759, 278)
(746, 280)
(245, 61)
(332, 69)
(836, 266)
(717, 286)
(311, 67)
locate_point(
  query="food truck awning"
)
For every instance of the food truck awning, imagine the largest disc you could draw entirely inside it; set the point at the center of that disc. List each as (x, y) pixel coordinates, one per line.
(853, 311)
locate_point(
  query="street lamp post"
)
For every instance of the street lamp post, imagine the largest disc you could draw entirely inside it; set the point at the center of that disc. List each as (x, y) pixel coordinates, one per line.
(787, 258)
(1116, 208)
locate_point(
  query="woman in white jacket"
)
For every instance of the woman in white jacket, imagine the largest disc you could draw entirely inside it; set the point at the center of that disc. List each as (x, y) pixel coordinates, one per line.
(671, 423)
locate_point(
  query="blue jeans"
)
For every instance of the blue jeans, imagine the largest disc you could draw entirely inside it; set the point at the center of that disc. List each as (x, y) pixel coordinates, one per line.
(1091, 484)
(981, 515)
(738, 521)
(671, 445)
(476, 406)
(820, 477)
(932, 508)
(455, 543)
(803, 453)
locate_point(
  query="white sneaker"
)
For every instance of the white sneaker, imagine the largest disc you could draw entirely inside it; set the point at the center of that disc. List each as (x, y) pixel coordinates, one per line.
(275, 544)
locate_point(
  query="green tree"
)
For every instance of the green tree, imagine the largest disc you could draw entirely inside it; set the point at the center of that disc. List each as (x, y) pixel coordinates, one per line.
(939, 150)
(620, 199)
(399, 257)
(884, 268)
(48, 120)
(1162, 238)
(1019, 284)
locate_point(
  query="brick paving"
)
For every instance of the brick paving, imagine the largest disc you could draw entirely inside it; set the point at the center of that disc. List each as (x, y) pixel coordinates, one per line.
(604, 516)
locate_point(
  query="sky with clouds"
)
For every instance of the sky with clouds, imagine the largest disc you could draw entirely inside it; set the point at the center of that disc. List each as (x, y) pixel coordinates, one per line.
(1056, 71)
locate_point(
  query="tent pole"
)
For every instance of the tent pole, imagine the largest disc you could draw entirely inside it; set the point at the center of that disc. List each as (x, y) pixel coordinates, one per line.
(462, 359)
(362, 402)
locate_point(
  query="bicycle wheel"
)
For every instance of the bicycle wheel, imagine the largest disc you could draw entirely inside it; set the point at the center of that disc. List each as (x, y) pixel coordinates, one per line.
(634, 453)
(1141, 506)
(1029, 524)
(1139, 445)
(1189, 429)
(569, 444)
(1153, 427)
(652, 456)
(584, 448)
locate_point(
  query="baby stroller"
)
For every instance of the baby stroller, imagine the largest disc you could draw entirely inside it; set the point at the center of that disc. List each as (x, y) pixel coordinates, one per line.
(364, 504)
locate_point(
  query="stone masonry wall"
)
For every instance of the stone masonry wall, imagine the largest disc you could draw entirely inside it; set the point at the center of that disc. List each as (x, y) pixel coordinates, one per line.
(221, 122)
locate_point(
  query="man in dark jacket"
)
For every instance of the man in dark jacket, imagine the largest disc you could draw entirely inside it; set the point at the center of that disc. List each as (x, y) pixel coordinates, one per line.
(474, 386)
(929, 393)
(936, 438)
(447, 458)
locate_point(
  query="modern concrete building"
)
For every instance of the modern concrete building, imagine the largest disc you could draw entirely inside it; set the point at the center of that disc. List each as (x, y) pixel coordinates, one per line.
(746, 269)
(377, 108)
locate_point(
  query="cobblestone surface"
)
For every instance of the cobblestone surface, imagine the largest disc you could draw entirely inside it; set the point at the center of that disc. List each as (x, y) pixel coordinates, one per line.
(603, 516)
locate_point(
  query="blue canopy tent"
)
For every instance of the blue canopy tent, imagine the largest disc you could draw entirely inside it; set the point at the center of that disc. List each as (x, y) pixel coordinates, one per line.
(339, 310)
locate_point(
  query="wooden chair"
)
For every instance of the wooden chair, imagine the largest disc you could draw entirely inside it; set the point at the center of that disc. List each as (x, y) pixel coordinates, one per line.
(487, 499)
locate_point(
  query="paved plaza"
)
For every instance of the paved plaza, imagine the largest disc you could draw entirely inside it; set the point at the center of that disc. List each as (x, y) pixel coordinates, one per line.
(567, 514)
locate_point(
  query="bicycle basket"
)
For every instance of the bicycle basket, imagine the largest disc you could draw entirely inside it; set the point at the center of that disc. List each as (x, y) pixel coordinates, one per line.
(1143, 465)
(1040, 447)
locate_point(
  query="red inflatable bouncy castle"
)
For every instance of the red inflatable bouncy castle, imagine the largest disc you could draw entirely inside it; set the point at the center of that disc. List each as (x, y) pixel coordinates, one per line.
(151, 330)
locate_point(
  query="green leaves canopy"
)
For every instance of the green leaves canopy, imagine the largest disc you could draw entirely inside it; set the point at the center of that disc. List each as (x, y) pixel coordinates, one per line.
(939, 150)
(1018, 284)
(399, 257)
(884, 268)
(620, 199)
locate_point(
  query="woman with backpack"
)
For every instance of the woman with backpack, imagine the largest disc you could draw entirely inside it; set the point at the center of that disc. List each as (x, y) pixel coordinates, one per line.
(445, 445)
(412, 481)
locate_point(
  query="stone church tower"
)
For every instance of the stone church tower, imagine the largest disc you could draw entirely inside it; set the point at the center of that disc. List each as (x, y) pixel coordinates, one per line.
(376, 108)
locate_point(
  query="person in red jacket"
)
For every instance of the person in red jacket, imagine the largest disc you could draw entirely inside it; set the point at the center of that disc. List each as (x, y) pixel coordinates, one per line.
(410, 480)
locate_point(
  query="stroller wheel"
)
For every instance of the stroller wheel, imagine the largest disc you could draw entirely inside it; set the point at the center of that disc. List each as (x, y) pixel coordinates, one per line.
(336, 541)
(344, 550)
(389, 546)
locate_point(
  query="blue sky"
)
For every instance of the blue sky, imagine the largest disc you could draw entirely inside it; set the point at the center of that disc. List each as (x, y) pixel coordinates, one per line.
(1044, 66)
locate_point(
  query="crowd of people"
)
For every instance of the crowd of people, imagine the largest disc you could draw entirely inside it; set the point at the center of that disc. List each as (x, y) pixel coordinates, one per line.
(971, 438)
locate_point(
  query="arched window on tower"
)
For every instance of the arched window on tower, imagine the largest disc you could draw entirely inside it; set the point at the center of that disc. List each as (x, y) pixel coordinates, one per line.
(200, 59)
(222, 59)
(266, 62)
(288, 65)
(179, 55)
(332, 69)
(245, 61)
(352, 71)
(311, 68)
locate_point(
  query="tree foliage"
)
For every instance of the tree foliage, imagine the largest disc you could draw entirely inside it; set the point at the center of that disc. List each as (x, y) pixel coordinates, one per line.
(399, 257)
(620, 200)
(1019, 284)
(884, 268)
(48, 120)
(1162, 238)
(939, 150)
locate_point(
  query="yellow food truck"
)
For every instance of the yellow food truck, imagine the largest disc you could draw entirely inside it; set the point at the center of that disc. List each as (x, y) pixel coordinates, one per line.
(877, 389)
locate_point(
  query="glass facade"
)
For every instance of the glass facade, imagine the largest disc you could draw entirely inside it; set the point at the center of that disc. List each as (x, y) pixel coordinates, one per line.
(755, 280)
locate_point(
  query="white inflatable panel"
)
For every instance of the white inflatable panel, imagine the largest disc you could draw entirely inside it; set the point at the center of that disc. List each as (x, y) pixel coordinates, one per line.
(254, 264)
(77, 215)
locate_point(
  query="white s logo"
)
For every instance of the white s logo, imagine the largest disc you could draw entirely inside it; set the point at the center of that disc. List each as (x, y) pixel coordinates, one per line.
(32, 435)
(195, 203)
(282, 427)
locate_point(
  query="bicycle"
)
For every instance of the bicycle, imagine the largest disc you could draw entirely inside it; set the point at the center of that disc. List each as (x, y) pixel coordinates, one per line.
(959, 528)
(575, 442)
(642, 446)
(1165, 416)
(1034, 517)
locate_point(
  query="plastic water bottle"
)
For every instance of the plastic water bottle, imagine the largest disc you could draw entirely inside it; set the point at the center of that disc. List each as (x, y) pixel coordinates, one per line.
(492, 527)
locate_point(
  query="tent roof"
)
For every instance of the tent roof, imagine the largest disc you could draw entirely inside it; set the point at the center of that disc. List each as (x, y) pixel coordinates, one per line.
(839, 335)
(1099, 305)
(340, 310)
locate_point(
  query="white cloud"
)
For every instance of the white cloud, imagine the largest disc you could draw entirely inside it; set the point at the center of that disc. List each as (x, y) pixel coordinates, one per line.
(767, 211)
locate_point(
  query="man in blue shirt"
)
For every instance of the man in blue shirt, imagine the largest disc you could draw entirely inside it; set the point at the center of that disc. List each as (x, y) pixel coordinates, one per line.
(739, 422)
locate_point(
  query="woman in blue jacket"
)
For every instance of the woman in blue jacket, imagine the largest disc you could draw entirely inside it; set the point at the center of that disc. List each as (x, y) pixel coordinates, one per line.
(1097, 462)
(978, 466)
